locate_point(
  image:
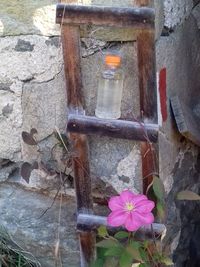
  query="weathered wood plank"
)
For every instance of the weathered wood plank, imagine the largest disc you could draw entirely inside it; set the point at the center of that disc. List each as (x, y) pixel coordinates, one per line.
(187, 122)
(147, 75)
(70, 40)
(142, 18)
(131, 130)
(71, 52)
(86, 222)
(148, 97)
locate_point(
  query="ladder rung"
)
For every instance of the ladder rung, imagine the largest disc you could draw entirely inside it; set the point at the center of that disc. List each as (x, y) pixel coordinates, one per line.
(89, 222)
(142, 17)
(131, 130)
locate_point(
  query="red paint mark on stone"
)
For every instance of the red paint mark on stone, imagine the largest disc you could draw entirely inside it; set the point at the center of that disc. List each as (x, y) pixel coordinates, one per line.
(163, 93)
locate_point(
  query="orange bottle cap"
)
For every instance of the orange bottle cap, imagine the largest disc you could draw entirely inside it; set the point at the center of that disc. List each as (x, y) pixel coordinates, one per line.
(113, 60)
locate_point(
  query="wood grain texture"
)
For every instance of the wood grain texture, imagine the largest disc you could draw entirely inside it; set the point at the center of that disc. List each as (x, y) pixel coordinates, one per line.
(148, 97)
(71, 53)
(142, 18)
(87, 247)
(147, 75)
(72, 66)
(113, 128)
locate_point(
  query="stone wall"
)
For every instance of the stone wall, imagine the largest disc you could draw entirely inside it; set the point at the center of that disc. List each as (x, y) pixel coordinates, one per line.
(32, 93)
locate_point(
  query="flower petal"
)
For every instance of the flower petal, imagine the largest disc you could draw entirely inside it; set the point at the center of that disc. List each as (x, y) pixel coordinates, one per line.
(131, 224)
(127, 196)
(145, 218)
(117, 218)
(144, 206)
(138, 198)
(115, 203)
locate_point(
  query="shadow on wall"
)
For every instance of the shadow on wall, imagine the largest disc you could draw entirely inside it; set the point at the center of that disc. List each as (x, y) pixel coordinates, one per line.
(23, 17)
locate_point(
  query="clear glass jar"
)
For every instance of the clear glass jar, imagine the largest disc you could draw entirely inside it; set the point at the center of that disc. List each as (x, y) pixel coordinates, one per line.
(110, 88)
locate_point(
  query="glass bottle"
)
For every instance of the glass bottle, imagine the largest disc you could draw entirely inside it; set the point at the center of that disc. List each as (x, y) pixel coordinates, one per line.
(110, 89)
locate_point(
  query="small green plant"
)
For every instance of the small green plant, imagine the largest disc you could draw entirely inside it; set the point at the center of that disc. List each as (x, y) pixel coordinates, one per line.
(12, 255)
(123, 249)
(188, 195)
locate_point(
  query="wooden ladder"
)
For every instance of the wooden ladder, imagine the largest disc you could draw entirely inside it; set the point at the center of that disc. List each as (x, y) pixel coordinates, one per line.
(79, 125)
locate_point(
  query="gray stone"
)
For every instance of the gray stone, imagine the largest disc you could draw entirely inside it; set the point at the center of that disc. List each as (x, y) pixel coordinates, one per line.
(24, 17)
(45, 63)
(10, 122)
(5, 86)
(55, 41)
(7, 168)
(179, 158)
(124, 162)
(27, 102)
(196, 14)
(23, 46)
(21, 213)
(181, 222)
(176, 12)
(44, 106)
(7, 110)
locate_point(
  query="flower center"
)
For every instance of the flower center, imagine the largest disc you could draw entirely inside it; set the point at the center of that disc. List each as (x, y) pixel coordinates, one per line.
(129, 206)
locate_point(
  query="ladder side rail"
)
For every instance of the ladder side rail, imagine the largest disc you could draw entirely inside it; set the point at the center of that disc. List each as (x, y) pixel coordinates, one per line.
(148, 98)
(72, 66)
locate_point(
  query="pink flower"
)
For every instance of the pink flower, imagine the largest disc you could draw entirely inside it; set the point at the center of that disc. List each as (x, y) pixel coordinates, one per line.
(130, 210)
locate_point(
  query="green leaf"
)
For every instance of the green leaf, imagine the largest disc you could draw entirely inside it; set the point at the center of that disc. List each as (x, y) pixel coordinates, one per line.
(167, 261)
(97, 263)
(160, 210)
(114, 251)
(111, 262)
(121, 235)
(107, 243)
(145, 244)
(102, 231)
(134, 250)
(125, 260)
(135, 253)
(144, 265)
(188, 195)
(143, 254)
(158, 188)
(135, 244)
(101, 252)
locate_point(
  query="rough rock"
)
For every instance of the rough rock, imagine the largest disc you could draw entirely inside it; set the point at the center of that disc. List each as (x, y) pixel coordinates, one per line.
(176, 12)
(196, 14)
(23, 17)
(10, 118)
(179, 158)
(182, 224)
(21, 215)
(32, 92)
